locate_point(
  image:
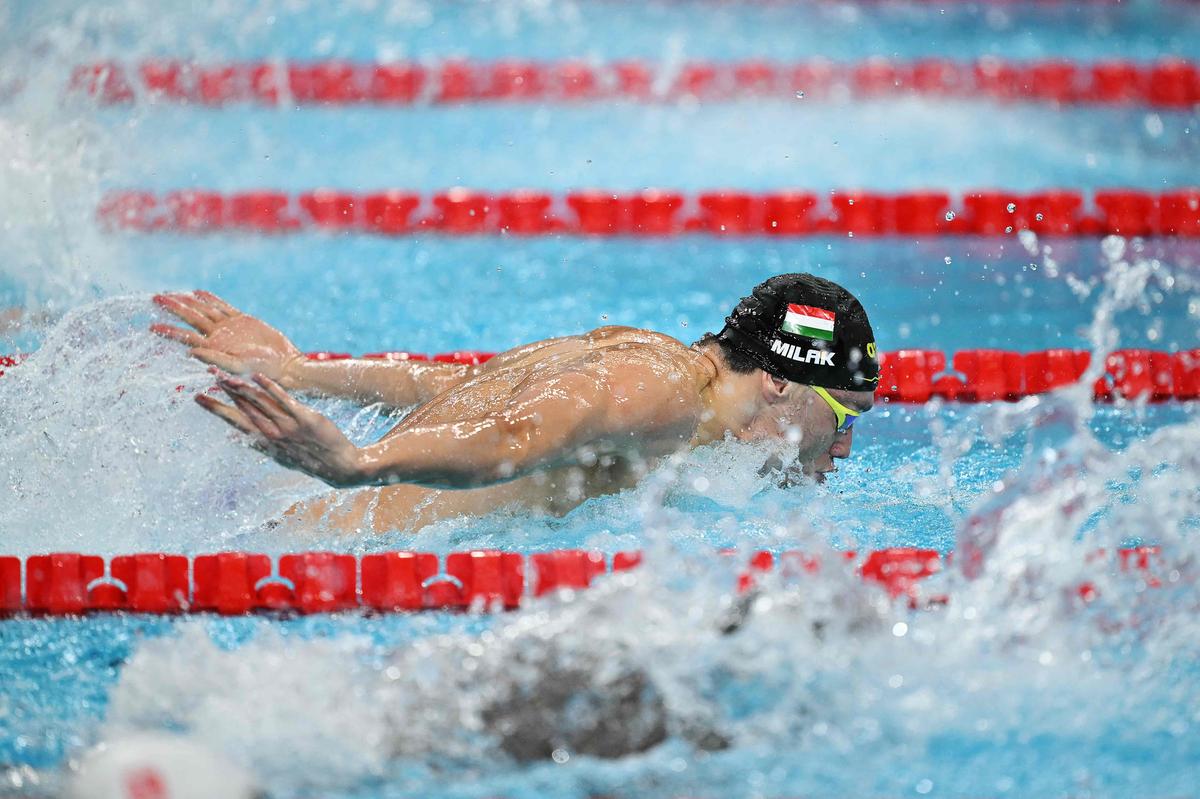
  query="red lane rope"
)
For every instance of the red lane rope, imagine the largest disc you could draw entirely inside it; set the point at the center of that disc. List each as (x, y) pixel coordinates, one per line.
(235, 583)
(917, 376)
(656, 212)
(9, 361)
(1168, 83)
(986, 375)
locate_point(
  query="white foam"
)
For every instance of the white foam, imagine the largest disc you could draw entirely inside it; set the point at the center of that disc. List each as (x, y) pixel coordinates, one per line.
(103, 449)
(293, 712)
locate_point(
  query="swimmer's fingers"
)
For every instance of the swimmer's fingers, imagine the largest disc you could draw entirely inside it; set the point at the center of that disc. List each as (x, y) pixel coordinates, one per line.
(264, 425)
(189, 338)
(221, 360)
(291, 406)
(258, 405)
(180, 305)
(215, 307)
(201, 306)
(231, 416)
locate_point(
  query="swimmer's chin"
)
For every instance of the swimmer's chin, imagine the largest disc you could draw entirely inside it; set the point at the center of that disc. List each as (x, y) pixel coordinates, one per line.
(792, 476)
(799, 478)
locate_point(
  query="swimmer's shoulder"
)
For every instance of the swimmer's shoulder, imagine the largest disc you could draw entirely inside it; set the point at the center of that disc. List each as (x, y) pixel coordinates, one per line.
(611, 335)
(642, 350)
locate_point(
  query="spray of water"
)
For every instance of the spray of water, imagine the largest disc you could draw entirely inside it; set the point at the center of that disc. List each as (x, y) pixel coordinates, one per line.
(821, 688)
(664, 681)
(103, 449)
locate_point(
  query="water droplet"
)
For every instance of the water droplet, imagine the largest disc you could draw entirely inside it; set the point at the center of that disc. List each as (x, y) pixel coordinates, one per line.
(948, 260)
(949, 216)
(1012, 207)
(799, 95)
(560, 755)
(899, 629)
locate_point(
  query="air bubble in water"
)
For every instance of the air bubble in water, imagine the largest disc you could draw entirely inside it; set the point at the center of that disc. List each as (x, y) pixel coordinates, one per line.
(948, 260)
(949, 216)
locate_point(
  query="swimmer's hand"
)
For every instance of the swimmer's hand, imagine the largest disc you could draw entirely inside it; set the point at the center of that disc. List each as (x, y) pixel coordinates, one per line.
(227, 338)
(293, 434)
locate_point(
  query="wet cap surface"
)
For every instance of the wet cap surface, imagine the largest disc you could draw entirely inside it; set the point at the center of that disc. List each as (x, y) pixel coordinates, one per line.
(808, 330)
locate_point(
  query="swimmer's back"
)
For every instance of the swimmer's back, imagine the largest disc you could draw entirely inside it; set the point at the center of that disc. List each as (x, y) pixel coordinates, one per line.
(553, 350)
(625, 358)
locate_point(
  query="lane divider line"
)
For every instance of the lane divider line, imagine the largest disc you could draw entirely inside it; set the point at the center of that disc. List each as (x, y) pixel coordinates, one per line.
(983, 375)
(238, 583)
(660, 212)
(1168, 83)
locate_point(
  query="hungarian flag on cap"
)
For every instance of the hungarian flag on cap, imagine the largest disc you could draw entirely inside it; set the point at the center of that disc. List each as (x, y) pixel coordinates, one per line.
(804, 320)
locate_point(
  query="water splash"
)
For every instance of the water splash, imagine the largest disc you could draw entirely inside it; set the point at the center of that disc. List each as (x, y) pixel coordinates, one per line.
(102, 448)
(57, 154)
(820, 687)
(311, 699)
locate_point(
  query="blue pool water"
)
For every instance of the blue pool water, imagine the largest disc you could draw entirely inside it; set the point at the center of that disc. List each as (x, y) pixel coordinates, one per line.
(1014, 689)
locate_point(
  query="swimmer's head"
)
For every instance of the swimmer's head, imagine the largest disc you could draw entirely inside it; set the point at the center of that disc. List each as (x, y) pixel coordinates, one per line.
(806, 330)
(809, 344)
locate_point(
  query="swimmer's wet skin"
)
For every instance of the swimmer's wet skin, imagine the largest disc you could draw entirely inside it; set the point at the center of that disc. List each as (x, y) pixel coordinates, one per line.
(551, 423)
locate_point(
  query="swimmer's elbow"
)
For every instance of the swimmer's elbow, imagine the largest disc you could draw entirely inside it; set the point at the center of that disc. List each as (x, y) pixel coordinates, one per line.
(467, 455)
(508, 451)
(495, 451)
(516, 447)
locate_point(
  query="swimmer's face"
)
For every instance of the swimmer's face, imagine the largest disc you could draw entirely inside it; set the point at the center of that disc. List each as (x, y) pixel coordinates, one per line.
(799, 417)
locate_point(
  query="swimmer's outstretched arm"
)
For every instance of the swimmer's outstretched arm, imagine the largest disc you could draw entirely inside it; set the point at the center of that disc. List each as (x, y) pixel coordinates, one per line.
(561, 420)
(241, 344)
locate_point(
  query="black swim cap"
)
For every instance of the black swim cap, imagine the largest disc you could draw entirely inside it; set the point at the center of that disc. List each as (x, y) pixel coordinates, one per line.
(807, 330)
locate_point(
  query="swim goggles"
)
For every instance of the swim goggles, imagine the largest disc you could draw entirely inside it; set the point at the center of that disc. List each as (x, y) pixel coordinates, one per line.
(845, 416)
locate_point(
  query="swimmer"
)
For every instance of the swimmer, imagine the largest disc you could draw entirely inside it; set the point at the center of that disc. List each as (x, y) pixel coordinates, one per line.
(602, 677)
(548, 424)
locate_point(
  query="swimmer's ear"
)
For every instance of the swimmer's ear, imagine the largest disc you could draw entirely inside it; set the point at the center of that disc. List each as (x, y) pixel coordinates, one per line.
(774, 389)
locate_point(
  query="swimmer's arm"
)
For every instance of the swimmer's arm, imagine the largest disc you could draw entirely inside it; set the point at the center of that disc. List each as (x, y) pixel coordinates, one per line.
(565, 419)
(395, 383)
(562, 421)
(221, 335)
